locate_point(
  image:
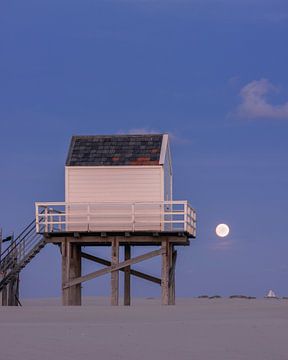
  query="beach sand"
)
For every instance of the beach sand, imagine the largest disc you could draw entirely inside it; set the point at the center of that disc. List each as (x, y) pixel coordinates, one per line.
(205, 329)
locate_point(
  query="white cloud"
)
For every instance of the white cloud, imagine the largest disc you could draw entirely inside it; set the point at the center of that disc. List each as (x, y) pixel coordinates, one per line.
(255, 103)
(174, 138)
(142, 131)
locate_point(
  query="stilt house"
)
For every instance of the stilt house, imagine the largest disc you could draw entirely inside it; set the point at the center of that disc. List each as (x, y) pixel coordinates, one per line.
(118, 192)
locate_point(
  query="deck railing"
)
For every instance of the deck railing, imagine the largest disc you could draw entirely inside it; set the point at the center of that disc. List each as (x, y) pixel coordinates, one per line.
(165, 216)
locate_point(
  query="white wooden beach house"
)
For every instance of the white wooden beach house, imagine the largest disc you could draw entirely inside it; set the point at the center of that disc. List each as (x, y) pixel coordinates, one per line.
(118, 193)
(121, 168)
(118, 183)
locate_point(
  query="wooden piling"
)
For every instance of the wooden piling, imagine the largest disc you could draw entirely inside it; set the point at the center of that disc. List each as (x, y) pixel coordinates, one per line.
(13, 291)
(173, 258)
(165, 272)
(115, 273)
(127, 277)
(71, 269)
(4, 296)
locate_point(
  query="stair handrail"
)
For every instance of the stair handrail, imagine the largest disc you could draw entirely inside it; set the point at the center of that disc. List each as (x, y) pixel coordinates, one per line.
(9, 262)
(16, 242)
(27, 239)
(21, 237)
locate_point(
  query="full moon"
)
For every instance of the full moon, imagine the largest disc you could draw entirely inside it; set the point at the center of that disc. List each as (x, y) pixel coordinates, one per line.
(222, 230)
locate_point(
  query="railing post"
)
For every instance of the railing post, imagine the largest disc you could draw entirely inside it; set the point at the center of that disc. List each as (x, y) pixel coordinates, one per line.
(162, 215)
(46, 218)
(133, 217)
(37, 217)
(185, 216)
(66, 217)
(50, 220)
(170, 217)
(88, 216)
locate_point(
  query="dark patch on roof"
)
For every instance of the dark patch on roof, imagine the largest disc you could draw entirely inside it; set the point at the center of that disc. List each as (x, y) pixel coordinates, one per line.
(115, 150)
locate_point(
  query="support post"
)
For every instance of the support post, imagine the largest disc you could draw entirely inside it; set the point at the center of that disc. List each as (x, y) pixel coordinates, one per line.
(13, 291)
(115, 273)
(75, 271)
(71, 269)
(65, 251)
(173, 258)
(4, 296)
(10, 293)
(165, 272)
(12, 287)
(127, 277)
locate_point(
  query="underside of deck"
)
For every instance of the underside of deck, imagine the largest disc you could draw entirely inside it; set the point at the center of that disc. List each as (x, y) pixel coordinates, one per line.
(124, 238)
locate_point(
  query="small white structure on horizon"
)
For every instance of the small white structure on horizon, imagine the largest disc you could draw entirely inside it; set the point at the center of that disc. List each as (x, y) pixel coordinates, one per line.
(271, 295)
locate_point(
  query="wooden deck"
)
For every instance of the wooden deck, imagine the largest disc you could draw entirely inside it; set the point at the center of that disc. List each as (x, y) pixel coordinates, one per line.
(116, 217)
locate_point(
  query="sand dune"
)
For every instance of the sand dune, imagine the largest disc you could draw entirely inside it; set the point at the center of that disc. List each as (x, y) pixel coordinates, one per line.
(205, 329)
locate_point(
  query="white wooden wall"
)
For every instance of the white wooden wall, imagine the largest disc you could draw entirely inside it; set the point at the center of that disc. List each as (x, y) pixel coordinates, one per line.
(168, 175)
(130, 184)
(119, 183)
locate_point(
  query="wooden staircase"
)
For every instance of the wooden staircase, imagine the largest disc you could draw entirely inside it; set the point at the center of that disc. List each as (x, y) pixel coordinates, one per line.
(19, 254)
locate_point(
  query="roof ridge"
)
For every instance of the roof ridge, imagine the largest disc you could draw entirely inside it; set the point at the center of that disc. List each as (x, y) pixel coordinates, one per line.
(117, 135)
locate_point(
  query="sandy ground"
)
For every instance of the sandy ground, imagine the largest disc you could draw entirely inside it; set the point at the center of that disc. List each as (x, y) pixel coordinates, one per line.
(194, 329)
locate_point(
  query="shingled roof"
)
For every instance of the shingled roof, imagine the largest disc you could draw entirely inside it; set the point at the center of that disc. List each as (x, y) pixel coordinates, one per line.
(115, 150)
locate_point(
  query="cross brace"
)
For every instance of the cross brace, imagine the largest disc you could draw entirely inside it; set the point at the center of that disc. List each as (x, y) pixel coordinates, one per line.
(133, 272)
(109, 269)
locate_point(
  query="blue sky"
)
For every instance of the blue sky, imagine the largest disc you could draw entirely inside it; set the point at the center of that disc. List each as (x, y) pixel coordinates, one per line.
(210, 73)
